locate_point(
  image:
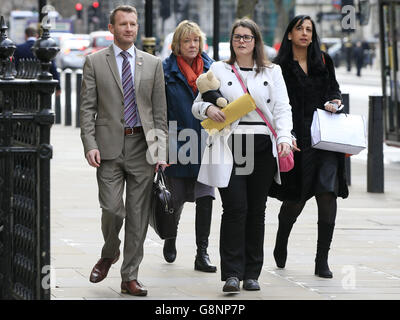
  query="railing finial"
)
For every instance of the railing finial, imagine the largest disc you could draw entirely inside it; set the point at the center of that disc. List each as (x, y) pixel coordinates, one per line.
(7, 48)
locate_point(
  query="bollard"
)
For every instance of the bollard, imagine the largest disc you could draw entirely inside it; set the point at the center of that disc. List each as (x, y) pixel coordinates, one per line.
(78, 98)
(57, 110)
(68, 116)
(347, 160)
(149, 45)
(375, 170)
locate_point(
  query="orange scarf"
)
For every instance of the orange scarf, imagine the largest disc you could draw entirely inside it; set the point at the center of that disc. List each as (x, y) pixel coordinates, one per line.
(191, 73)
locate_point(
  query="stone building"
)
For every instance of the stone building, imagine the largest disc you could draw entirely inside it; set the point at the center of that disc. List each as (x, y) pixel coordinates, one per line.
(198, 11)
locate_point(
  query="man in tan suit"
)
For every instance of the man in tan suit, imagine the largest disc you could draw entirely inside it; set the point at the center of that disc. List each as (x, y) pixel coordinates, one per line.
(123, 116)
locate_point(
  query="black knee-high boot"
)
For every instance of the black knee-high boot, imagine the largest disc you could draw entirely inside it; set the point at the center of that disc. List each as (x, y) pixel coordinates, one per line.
(288, 214)
(203, 225)
(325, 234)
(281, 242)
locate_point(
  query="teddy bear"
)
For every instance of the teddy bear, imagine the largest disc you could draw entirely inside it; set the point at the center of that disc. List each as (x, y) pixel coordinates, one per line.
(208, 85)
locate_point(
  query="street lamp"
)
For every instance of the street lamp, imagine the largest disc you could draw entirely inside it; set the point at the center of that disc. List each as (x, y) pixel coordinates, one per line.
(149, 42)
(216, 30)
(42, 4)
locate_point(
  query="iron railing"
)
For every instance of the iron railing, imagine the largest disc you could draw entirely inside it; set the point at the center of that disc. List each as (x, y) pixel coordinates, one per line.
(25, 153)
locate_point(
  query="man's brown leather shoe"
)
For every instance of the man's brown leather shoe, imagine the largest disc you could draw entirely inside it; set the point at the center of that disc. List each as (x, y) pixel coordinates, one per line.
(100, 270)
(133, 288)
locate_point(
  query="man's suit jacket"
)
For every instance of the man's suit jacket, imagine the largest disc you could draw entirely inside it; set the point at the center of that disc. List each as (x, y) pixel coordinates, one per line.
(102, 104)
(23, 51)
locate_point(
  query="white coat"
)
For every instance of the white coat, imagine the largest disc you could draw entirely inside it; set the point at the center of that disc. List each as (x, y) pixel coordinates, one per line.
(268, 89)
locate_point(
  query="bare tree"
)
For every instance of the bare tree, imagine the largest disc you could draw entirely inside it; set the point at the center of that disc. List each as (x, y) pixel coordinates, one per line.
(245, 8)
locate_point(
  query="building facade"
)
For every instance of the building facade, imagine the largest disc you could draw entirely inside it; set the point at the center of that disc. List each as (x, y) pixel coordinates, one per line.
(166, 14)
(329, 26)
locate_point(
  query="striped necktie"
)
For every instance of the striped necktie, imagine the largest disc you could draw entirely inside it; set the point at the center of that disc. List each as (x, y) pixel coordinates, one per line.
(129, 92)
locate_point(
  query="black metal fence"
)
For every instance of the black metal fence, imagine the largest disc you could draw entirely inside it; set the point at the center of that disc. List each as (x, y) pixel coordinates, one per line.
(25, 153)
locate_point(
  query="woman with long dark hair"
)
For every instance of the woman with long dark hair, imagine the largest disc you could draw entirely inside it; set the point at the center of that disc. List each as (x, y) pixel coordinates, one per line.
(311, 83)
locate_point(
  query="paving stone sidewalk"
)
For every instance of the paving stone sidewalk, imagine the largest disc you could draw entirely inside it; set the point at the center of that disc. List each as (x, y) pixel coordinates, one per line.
(365, 254)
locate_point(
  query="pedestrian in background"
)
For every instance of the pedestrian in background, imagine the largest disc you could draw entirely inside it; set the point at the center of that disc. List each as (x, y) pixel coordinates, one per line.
(24, 51)
(244, 195)
(117, 121)
(359, 57)
(181, 69)
(348, 49)
(310, 80)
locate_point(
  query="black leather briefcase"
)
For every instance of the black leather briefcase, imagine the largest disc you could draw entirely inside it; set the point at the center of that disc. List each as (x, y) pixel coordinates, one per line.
(162, 218)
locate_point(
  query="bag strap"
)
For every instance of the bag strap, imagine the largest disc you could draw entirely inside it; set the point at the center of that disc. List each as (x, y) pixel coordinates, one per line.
(257, 109)
(159, 176)
(239, 78)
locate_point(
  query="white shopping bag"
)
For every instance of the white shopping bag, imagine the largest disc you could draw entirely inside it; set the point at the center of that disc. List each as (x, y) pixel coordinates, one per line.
(338, 132)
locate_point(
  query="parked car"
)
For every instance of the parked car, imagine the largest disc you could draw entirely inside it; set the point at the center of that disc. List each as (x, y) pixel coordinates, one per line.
(99, 40)
(60, 36)
(328, 42)
(337, 53)
(71, 51)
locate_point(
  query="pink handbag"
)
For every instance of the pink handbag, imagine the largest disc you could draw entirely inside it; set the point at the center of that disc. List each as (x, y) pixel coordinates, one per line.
(285, 163)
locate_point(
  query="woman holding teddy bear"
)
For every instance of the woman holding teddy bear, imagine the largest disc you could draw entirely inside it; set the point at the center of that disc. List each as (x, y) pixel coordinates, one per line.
(181, 70)
(244, 191)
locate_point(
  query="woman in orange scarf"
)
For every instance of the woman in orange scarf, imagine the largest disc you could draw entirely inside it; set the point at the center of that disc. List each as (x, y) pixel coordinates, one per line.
(181, 70)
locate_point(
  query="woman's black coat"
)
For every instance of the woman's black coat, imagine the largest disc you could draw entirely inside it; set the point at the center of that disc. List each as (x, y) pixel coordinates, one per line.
(306, 93)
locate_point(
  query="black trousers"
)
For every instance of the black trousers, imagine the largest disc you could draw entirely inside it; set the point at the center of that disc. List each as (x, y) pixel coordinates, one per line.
(243, 218)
